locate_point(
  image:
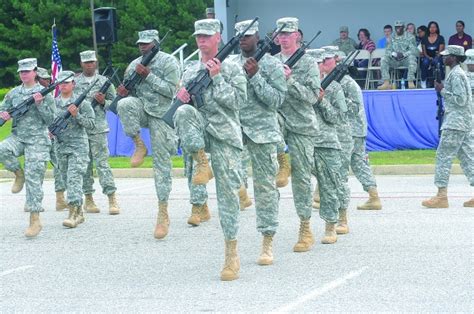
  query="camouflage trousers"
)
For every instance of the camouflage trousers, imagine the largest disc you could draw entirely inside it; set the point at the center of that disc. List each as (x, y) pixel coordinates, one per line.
(264, 170)
(360, 164)
(197, 192)
(164, 142)
(388, 63)
(327, 169)
(99, 154)
(226, 165)
(59, 184)
(301, 149)
(36, 157)
(73, 160)
(281, 145)
(454, 143)
(345, 191)
(245, 166)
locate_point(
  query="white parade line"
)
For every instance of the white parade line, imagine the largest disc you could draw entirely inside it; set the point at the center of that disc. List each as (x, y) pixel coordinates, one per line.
(6, 272)
(319, 291)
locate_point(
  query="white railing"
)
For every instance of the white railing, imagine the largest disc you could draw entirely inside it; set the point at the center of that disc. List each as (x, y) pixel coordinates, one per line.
(180, 50)
(196, 52)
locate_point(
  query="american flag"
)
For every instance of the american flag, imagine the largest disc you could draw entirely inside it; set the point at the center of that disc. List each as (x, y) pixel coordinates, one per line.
(56, 65)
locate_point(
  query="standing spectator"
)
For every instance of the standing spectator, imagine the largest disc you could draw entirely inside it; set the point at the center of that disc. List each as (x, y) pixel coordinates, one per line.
(387, 32)
(432, 45)
(461, 38)
(344, 42)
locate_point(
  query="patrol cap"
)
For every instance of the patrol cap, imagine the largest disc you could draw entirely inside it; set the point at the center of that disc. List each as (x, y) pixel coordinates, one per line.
(241, 26)
(330, 51)
(344, 29)
(316, 54)
(88, 56)
(340, 54)
(291, 24)
(27, 64)
(399, 23)
(148, 36)
(470, 56)
(453, 50)
(207, 27)
(42, 73)
(63, 74)
(210, 11)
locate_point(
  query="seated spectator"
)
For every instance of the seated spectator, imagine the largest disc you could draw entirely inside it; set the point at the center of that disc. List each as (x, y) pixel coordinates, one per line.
(399, 52)
(461, 38)
(387, 32)
(344, 42)
(365, 43)
(432, 45)
(421, 32)
(410, 29)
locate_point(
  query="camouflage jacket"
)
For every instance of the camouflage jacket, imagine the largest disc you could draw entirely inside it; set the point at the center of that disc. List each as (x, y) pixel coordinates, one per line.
(31, 128)
(335, 95)
(265, 93)
(101, 125)
(159, 87)
(458, 104)
(406, 44)
(355, 106)
(346, 46)
(222, 100)
(327, 116)
(303, 90)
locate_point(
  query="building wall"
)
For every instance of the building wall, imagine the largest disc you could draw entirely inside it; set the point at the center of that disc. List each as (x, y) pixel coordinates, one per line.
(328, 15)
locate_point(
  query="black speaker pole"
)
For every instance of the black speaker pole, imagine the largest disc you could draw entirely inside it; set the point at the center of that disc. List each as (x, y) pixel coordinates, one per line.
(109, 70)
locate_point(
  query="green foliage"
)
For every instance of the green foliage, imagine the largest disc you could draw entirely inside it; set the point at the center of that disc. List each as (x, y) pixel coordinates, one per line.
(25, 30)
(3, 92)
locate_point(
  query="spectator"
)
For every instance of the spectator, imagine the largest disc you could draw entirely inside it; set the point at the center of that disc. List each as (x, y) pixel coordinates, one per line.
(344, 42)
(421, 32)
(461, 38)
(411, 29)
(365, 43)
(387, 32)
(432, 45)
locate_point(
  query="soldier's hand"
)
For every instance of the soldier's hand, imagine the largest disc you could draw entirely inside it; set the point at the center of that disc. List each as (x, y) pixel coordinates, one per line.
(122, 91)
(73, 110)
(183, 95)
(142, 70)
(438, 86)
(5, 116)
(38, 98)
(251, 67)
(213, 66)
(321, 94)
(287, 71)
(100, 98)
(50, 135)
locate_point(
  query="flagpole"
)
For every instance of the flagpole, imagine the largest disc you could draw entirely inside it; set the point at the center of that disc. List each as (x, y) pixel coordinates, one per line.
(94, 40)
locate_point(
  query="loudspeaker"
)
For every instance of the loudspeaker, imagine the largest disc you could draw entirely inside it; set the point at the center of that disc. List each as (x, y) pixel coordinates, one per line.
(105, 20)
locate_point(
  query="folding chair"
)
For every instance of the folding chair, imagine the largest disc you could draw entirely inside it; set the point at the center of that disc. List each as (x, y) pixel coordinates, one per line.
(374, 67)
(363, 55)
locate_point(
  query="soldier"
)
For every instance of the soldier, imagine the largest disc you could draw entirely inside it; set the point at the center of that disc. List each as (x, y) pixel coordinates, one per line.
(43, 77)
(301, 126)
(244, 198)
(72, 147)
(98, 146)
(144, 108)
(457, 136)
(344, 42)
(29, 137)
(470, 68)
(215, 127)
(401, 51)
(266, 89)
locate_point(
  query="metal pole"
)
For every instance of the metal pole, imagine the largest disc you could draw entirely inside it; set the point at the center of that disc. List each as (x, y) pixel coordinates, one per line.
(93, 31)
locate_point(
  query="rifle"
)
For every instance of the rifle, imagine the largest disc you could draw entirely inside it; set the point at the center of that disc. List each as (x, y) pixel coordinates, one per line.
(60, 123)
(439, 100)
(21, 109)
(296, 56)
(135, 78)
(103, 90)
(267, 45)
(340, 70)
(203, 80)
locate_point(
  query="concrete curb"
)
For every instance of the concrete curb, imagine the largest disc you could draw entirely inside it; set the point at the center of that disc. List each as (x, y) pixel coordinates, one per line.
(179, 172)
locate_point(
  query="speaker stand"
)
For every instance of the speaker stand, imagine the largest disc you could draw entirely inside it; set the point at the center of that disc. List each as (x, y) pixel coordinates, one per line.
(109, 70)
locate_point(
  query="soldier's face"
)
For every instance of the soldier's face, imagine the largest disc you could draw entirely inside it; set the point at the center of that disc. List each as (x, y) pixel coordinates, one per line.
(44, 82)
(470, 67)
(27, 76)
(328, 64)
(248, 43)
(449, 60)
(66, 87)
(208, 43)
(343, 35)
(89, 67)
(144, 48)
(288, 40)
(399, 30)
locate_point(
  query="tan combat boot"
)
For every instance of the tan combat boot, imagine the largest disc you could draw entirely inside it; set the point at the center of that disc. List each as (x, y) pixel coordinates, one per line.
(35, 226)
(330, 235)
(231, 268)
(386, 85)
(284, 171)
(203, 171)
(205, 214)
(306, 239)
(469, 203)
(80, 215)
(70, 221)
(316, 198)
(438, 201)
(162, 222)
(373, 203)
(244, 199)
(342, 227)
(195, 218)
(19, 181)
(114, 208)
(139, 153)
(60, 201)
(266, 256)
(411, 85)
(90, 206)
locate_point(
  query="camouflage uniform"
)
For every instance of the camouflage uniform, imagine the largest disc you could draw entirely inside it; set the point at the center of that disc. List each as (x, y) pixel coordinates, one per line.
(356, 114)
(73, 148)
(145, 106)
(59, 184)
(266, 92)
(29, 137)
(347, 45)
(245, 163)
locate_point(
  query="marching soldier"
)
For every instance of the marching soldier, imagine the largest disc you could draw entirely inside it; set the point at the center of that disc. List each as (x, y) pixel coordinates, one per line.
(197, 194)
